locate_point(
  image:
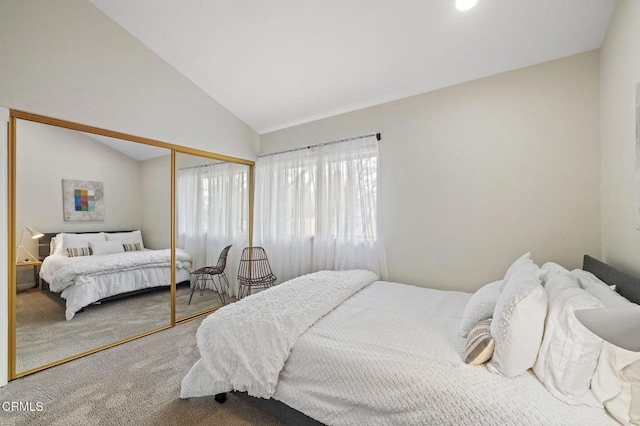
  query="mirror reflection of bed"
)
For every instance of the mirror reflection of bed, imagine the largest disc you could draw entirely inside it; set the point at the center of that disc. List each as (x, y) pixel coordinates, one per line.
(136, 180)
(212, 212)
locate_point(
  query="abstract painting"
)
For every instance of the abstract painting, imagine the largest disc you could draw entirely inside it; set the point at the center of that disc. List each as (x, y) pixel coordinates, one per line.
(83, 200)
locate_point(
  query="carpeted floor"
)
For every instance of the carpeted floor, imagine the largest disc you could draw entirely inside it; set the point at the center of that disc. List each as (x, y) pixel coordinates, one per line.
(137, 383)
(43, 335)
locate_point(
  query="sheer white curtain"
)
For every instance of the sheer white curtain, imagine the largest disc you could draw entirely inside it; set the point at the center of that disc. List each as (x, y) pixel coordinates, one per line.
(213, 212)
(317, 209)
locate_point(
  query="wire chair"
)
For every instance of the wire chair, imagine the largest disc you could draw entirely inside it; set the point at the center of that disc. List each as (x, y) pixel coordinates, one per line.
(202, 275)
(254, 271)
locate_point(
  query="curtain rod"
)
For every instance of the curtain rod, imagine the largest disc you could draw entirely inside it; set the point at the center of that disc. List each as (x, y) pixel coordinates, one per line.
(377, 135)
(207, 165)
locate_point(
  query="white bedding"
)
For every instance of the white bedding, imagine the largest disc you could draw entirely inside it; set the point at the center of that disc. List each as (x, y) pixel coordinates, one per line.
(245, 345)
(86, 279)
(391, 354)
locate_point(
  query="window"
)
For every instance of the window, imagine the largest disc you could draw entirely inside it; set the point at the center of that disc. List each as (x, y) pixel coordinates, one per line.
(317, 208)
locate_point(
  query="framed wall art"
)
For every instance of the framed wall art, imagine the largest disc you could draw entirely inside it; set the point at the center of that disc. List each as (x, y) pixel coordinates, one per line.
(82, 200)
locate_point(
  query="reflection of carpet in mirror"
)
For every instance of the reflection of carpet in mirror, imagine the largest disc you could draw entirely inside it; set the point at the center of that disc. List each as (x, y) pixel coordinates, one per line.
(44, 336)
(198, 303)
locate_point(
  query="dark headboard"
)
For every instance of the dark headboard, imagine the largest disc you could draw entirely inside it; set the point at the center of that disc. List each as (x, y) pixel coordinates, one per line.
(44, 244)
(627, 285)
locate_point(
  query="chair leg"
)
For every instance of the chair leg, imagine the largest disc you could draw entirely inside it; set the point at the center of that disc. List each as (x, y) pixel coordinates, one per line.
(220, 289)
(241, 291)
(203, 283)
(193, 287)
(225, 280)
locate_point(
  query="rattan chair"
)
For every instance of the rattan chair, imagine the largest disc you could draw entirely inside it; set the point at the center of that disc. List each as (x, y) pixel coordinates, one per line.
(202, 275)
(254, 271)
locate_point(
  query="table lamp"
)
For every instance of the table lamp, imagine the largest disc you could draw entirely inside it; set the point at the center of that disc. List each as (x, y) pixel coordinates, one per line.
(34, 236)
(619, 326)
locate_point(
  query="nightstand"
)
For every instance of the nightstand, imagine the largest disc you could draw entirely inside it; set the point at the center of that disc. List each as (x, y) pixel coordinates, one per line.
(35, 264)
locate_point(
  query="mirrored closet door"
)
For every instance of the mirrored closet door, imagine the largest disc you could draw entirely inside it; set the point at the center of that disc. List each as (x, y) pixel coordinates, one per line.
(93, 237)
(212, 228)
(96, 216)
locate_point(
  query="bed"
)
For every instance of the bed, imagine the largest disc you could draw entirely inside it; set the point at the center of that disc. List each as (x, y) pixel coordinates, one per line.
(86, 268)
(376, 353)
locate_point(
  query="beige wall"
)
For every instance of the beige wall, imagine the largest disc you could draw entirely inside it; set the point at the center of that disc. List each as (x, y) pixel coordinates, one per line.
(156, 202)
(476, 174)
(620, 75)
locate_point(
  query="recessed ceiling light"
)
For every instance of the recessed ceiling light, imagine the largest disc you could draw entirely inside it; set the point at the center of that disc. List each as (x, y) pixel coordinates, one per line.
(464, 5)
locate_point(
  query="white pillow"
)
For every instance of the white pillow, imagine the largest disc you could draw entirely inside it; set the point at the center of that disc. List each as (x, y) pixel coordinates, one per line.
(65, 241)
(588, 277)
(518, 323)
(126, 237)
(601, 290)
(569, 352)
(523, 261)
(554, 268)
(607, 385)
(52, 246)
(106, 247)
(481, 306)
(560, 282)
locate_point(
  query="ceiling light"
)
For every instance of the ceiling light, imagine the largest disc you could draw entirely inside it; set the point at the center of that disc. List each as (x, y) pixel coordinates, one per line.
(464, 5)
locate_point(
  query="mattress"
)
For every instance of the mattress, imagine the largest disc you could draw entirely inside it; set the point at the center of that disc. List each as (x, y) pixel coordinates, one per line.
(392, 354)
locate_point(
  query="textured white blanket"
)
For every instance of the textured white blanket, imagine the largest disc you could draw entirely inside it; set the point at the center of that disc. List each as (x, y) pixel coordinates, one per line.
(66, 271)
(391, 355)
(388, 355)
(244, 346)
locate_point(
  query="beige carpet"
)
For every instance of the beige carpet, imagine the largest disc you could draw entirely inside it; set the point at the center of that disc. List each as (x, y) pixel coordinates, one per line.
(44, 336)
(137, 383)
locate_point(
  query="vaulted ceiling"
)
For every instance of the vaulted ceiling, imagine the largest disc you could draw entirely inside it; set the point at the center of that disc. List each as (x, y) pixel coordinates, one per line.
(279, 63)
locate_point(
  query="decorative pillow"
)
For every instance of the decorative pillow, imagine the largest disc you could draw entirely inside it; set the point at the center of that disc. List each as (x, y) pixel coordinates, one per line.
(132, 246)
(518, 323)
(106, 247)
(480, 344)
(523, 261)
(481, 305)
(126, 237)
(79, 251)
(569, 352)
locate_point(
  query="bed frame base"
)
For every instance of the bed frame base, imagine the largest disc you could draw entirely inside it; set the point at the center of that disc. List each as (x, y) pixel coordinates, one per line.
(45, 288)
(274, 407)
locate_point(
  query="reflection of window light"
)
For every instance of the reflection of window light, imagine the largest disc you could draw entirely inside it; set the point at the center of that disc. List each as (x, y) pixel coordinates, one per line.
(220, 183)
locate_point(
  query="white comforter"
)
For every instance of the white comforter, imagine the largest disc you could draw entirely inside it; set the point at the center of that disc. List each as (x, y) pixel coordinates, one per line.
(389, 354)
(62, 271)
(392, 355)
(244, 346)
